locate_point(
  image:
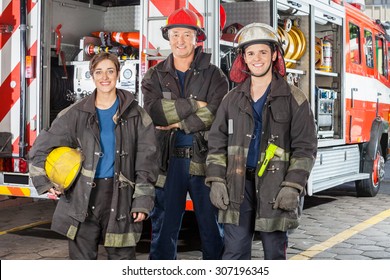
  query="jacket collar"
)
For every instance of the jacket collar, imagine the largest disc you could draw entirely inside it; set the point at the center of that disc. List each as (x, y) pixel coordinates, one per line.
(279, 87)
(125, 100)
(201, 61)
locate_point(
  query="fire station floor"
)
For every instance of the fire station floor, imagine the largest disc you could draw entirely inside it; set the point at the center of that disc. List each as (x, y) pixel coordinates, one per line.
(335, 225)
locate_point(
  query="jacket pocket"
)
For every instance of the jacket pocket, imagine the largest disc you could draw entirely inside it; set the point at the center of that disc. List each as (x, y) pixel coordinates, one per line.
(125, 193)
(280, 110)
(235, 179)
(280, 121)
(163, 137)
(281, 117)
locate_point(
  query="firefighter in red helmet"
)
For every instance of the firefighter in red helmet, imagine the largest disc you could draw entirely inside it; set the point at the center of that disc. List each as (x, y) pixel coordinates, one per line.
(182, 94)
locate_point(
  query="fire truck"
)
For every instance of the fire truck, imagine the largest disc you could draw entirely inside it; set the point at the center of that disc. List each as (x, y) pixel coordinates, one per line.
(334, 53)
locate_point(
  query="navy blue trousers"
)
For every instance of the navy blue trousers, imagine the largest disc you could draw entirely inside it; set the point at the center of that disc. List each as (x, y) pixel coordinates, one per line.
(238, 239)
(169, 209)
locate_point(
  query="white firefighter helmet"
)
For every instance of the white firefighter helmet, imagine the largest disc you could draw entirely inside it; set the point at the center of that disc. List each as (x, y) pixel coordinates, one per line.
(256, 33)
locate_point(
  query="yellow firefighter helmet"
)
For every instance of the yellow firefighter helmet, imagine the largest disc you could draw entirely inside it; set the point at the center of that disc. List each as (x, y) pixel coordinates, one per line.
(62, 166)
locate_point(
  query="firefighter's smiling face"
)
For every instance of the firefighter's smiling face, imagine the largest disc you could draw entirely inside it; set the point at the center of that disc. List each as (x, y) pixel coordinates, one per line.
(182, 41)
(105, 76)
(259, 59)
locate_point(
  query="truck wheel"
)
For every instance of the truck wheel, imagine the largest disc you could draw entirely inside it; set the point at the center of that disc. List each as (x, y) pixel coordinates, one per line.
(370, 187)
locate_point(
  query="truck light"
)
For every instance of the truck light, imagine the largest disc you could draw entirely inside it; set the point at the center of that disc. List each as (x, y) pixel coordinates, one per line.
(6, 164)
(30, 67)
(13, 165)
(20, 165)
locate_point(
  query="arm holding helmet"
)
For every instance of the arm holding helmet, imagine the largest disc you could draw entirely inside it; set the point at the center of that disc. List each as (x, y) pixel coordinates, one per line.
(56, 136)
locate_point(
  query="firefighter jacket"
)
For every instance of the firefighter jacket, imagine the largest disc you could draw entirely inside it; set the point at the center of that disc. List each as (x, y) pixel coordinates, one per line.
(135, 170)
(162, 100)
(288, 122)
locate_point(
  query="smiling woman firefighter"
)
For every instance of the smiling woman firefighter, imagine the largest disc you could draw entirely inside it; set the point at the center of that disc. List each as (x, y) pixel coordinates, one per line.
(262, 147)
(99, 156)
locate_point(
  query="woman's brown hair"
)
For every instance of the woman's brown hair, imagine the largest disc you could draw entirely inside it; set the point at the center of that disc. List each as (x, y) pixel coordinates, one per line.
(97, 58)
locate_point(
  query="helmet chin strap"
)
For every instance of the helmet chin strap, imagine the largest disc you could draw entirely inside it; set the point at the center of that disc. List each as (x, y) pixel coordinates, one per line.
(258, 76)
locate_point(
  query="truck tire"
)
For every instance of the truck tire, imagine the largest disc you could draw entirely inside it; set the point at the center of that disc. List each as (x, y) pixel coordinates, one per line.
(370, 187)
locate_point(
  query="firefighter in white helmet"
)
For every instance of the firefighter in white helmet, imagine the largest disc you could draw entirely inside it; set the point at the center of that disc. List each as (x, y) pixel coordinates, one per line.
(182, 94)
(112, 194)
(262, 110)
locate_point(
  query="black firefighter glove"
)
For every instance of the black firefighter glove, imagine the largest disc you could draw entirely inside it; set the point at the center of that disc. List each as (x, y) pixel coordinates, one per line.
(287, 199)
(219, 196)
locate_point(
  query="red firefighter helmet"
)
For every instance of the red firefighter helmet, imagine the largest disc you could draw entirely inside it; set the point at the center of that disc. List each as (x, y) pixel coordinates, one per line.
(184, 17)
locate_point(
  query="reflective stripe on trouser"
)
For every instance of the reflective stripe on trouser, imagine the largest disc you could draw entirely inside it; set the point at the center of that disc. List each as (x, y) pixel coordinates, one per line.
(238, 239)
(169, 208)
(93, 229)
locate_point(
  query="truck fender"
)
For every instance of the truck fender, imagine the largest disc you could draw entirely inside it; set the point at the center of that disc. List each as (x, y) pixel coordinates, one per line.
(370, 149)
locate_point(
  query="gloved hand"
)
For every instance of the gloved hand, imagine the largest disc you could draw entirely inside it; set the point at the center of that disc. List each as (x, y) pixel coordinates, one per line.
(287, 199)
(219, 196)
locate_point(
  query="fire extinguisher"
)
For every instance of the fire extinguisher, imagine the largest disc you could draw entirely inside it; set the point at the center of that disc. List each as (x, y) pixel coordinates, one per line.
(327, 55)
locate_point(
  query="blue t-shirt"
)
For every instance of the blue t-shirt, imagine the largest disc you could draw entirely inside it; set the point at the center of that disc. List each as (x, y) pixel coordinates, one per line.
(105, 167)
(254, 146)
(182, 139)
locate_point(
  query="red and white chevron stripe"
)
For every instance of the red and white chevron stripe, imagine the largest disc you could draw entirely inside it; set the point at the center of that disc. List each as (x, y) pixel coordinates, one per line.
(10, 69)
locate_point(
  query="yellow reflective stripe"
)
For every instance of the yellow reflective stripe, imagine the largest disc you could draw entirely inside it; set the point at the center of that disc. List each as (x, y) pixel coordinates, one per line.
(71, 234)
(229, 216)
(15, 191)
(197, 169)
(217, 159)
(143, 189)
(169, 109)
(87, 173)
(121, 239)
(301, 164)
(205, 115)
(272, 224)
(161, 180)
(237, 150)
